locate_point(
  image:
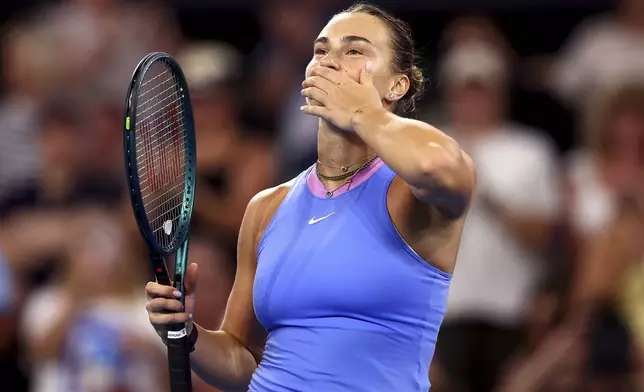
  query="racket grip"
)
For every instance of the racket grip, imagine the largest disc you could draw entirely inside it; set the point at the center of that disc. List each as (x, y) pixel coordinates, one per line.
(179, 359)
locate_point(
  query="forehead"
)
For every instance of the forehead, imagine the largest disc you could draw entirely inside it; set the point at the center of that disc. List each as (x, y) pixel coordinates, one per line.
(358, 24)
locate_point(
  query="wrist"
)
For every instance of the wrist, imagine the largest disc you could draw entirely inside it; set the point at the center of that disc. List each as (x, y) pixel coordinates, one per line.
(369, 118)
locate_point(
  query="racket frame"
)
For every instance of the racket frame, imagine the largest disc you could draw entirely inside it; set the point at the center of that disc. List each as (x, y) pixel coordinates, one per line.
(157, 254)
(178, 350)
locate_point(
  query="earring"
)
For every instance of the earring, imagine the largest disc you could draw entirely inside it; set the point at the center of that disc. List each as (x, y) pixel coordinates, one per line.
(392, 96)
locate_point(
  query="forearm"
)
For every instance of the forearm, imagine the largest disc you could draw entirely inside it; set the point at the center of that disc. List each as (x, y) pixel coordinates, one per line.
(222, 361)
(420, 154)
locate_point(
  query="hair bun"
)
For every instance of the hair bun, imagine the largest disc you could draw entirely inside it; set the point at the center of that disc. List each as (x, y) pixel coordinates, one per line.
(416, 88)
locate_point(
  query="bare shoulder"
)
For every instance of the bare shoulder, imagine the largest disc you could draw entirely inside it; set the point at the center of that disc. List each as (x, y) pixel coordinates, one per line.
(262, 207)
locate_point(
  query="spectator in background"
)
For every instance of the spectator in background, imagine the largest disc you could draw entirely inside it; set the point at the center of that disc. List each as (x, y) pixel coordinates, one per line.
(27, 240)
(287, 29)
(606, 168)
(232, 163)
(608, 201)
(67, 143)
(603, 51)
(100, 42)
(276, 77)
(601, 342)
(500, 261)
(88, 330)
(27, 78)
(67, 179)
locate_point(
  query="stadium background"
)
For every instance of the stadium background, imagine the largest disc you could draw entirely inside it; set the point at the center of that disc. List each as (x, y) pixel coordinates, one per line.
(552, 79)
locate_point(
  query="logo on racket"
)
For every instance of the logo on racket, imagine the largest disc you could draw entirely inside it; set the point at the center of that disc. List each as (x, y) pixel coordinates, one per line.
(177, 334)
(167, 227)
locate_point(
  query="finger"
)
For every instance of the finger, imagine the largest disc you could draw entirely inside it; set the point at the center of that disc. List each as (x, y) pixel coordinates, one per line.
(154, 290)
(157, 305)
(319, 111)
(366, 76)
(319, 82)
(190, 281)
(336, 77)
(168, 318)
(316, 94)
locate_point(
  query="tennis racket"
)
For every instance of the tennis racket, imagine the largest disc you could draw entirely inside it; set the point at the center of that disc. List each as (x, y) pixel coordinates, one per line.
(160, 155)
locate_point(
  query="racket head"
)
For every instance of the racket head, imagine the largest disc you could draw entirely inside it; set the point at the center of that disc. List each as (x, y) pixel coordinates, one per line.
(160, 152)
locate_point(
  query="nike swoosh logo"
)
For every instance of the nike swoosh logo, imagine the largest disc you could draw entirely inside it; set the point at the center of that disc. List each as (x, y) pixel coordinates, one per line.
(314, 221)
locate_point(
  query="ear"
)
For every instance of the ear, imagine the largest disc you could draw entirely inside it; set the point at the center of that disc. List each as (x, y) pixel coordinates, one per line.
(398, 88)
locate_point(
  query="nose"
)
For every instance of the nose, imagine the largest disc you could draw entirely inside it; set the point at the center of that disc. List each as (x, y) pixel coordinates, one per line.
(330, 63)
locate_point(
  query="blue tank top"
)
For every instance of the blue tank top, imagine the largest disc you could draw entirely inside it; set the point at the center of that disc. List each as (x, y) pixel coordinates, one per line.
(347, 304)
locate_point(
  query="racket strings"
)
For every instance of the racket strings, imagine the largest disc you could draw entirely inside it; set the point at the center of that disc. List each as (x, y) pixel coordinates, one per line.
(162, 73)
(161, 150)
(155, 202)
(154, 106)
(157, 149)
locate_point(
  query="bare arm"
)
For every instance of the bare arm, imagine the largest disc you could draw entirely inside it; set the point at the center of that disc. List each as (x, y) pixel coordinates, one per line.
(226, 358)
(424, 157)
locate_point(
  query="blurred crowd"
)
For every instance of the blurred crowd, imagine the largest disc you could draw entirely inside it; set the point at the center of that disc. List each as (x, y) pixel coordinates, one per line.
(548, 292)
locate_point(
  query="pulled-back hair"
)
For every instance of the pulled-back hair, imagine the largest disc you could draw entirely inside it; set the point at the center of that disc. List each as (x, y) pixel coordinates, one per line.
(404, 51)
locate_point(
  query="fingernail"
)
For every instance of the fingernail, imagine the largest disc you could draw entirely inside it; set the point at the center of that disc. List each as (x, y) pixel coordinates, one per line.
(302, 107)
(190, 316)
(176, 293)
(369, 66)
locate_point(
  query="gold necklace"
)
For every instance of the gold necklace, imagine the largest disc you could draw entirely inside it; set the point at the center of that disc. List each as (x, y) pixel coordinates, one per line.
(329, 192)
(345, 169)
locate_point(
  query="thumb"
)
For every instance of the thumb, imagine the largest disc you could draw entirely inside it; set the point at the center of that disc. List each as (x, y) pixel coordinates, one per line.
(365, 75)
(190, 280)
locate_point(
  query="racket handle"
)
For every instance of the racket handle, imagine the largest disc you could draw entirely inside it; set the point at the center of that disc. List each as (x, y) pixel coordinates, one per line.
(179, 359)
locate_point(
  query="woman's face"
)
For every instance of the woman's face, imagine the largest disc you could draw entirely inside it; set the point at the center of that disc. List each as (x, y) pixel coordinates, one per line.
(348, 42)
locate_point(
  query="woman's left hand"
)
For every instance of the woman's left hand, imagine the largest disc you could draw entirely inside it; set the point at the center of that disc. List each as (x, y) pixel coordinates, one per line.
(339, 95)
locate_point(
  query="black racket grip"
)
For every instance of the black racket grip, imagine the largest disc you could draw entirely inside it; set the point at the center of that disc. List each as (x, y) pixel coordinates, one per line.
(179, 361)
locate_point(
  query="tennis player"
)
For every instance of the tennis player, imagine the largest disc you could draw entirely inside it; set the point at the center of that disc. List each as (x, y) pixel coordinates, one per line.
(343, 272)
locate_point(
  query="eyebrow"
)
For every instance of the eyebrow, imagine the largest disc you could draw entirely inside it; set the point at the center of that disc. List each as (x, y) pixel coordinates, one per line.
(345, 39)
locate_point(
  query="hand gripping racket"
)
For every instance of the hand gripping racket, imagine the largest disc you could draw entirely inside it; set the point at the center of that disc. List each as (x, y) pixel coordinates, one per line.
(160, 155)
